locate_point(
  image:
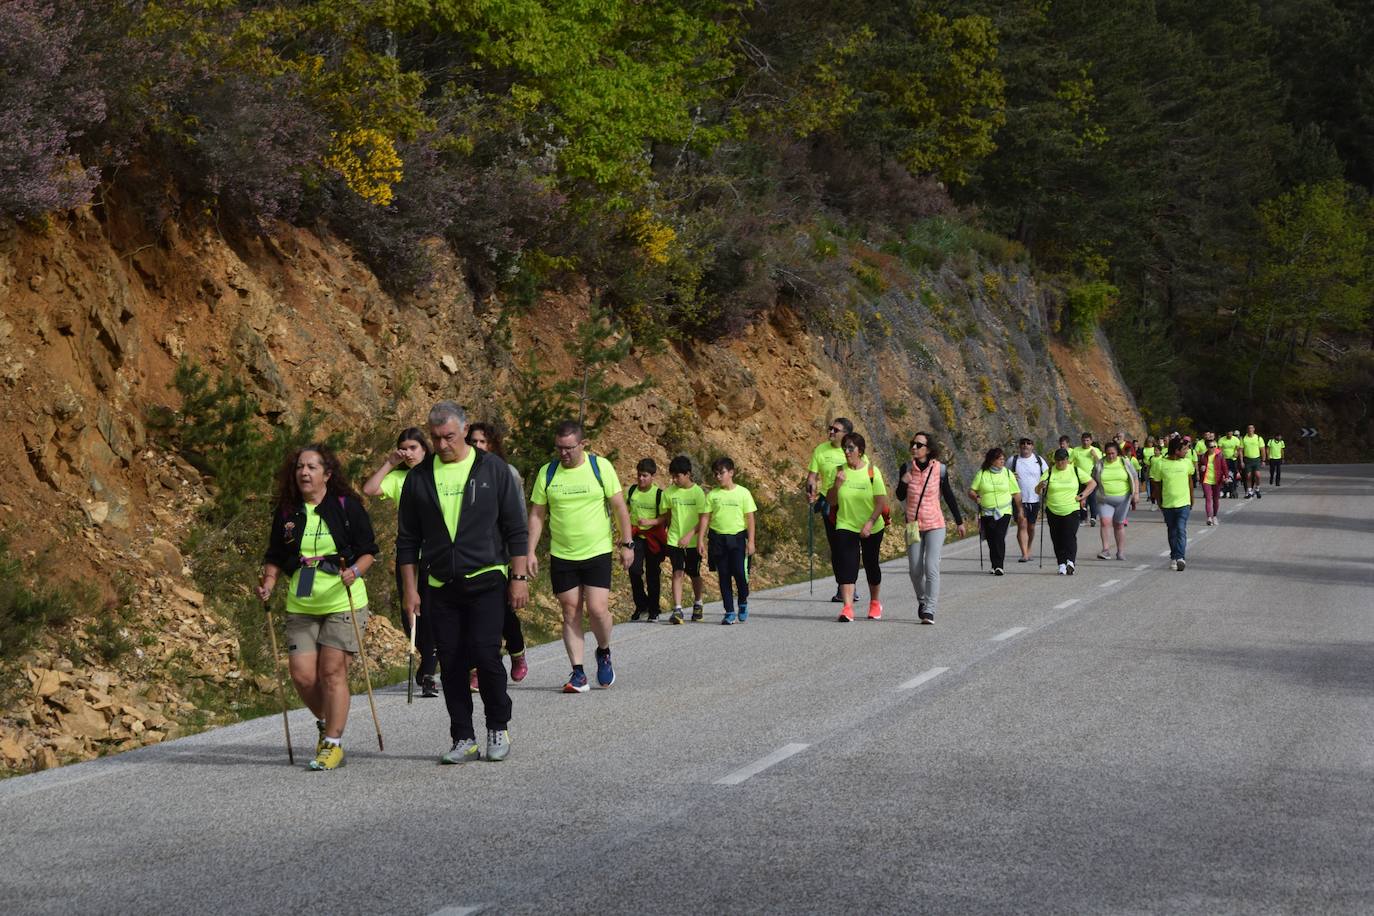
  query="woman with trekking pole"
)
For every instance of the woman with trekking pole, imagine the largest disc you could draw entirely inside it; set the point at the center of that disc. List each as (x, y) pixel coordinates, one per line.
(1066, 492)
(996, 492)
(321, 538)
(411, 448)
(924, 481)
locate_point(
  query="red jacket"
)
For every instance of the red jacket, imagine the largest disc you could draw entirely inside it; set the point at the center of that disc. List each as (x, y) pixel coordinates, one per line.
(1221, 471)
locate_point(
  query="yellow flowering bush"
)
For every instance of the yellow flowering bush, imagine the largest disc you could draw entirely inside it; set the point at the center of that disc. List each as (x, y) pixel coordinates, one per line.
(368, 163)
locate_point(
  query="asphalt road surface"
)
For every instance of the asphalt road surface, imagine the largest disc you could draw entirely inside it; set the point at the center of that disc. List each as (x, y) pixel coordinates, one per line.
(1128, 740)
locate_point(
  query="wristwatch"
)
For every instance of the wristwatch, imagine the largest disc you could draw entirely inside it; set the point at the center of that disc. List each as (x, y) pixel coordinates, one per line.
(520, 578)
(628, 545)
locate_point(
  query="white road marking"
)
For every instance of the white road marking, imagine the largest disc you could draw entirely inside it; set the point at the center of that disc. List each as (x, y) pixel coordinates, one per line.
(1164, 553)
(1063, 604)
(1109, 583)
(1008, 634)
(459, 910)
(1142, 566)
(921, 678)
(763, 763)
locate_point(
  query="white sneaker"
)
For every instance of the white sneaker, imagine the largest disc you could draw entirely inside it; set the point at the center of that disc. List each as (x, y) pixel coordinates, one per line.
(1063, 570)
(1173, 564)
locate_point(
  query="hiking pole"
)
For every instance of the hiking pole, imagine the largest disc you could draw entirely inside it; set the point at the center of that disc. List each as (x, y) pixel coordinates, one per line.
(281, 693)
(410, 665)
(811, 548)
(980, 543)
(1042, 535)
(362, 654)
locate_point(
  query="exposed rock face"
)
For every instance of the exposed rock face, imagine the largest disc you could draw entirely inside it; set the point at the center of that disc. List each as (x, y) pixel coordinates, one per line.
(95, 315)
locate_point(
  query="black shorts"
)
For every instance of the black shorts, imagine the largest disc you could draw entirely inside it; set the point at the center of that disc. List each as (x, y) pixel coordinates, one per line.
(1030, 511)
(566, 575)
(685, 559)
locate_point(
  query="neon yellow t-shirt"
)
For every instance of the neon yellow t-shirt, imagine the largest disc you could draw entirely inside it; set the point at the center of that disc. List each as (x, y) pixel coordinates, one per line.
(1148, 453)
(327, 595)
(1276, 447)
(728, 508)
(579, 527)
(686, 505)
(857, 496)
(1061, 489)
(1251, 445)
(643, 504)
(1116, 481)
(450, 480)
(1229, 446)
(391, 484)
(826, 459)
(1173, 474)
(1209, 470)
(1085, 458)
(994, 488)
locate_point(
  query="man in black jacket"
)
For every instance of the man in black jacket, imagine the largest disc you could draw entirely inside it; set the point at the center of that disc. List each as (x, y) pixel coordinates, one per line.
(461, 510)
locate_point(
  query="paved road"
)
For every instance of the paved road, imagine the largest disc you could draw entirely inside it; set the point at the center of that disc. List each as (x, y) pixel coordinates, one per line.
(1127, 740)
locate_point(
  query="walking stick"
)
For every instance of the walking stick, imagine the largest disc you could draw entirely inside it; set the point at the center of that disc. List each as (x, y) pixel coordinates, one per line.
(811, 547)
(410, 665)
(1042, 535)
(281, 694)
(362, 654)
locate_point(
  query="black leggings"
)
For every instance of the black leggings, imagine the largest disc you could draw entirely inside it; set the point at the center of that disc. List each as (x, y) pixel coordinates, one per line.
(995, 533)
(1275, 472)
(849, 548)
(646, 578)
(1064, 535)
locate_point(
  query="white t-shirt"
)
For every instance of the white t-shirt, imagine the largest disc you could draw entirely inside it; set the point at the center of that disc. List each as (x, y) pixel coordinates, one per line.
(1028, 474)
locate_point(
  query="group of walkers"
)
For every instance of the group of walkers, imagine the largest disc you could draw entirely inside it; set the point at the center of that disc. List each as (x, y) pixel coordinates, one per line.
(465, 553)
(465, 543)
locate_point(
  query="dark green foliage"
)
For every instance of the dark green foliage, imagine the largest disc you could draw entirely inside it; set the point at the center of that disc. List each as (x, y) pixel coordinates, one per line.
(29, 604)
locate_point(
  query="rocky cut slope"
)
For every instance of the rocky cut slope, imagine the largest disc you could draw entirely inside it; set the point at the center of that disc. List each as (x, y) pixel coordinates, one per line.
(96, 311)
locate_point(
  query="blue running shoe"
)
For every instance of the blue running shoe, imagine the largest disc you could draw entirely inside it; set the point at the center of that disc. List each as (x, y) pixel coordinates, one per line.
(728, 619)
(743, 613)
(577, 683)
(605, 674)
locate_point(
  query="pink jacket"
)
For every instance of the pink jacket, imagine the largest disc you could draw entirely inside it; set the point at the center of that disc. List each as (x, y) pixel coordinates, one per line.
(928, 515)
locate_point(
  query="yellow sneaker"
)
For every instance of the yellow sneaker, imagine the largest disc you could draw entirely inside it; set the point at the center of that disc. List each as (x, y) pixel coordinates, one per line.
(330, 757)
(319, 741)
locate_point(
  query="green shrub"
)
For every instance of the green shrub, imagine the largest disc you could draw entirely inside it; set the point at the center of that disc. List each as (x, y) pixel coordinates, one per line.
(1085, 305)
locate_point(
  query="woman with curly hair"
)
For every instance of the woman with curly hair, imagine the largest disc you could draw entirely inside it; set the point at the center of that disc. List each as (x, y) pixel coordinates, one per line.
(321, 538)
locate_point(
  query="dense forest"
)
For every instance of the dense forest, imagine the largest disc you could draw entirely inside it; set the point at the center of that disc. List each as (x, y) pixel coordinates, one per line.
(1198, 175)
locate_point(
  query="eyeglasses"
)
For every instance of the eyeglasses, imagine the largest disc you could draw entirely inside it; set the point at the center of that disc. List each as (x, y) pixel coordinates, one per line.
(851, 448)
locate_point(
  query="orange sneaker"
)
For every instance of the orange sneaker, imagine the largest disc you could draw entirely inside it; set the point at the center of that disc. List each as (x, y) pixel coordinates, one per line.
(846, 614)
(875, 610)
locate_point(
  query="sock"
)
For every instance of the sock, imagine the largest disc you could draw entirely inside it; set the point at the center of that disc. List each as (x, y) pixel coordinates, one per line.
(677, 609)
(602, 651)
(578, 669)
(332, 742)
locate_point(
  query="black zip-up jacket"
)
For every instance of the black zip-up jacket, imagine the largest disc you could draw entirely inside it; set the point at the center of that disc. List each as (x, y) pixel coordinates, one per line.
(347, 521)
(491, 526)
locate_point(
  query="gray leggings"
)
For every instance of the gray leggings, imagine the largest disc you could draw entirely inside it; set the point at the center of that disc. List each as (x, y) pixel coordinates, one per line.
(923, 565)
(1114, 509)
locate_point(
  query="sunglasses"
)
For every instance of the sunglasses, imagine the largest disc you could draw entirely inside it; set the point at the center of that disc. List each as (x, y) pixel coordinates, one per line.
(837, 429)
(916, 445)
(851, 448)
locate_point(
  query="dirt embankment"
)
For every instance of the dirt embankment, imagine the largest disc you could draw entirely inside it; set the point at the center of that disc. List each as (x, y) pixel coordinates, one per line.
(95, 314)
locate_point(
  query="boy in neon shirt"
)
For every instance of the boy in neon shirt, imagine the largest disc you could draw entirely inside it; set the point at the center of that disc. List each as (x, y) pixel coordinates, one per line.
(729, 517)
(685, 502)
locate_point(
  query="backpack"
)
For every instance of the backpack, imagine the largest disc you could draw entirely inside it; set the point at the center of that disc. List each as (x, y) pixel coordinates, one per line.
(551, 469)
(1012, 463)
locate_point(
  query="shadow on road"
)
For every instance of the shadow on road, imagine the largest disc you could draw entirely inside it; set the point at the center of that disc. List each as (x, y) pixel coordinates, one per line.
(1307, 520)
(1341, 666)
(1319, 573)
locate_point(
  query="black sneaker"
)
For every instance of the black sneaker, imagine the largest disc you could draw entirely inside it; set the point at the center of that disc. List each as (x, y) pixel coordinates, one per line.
(428, 686)
(653, 617)
(1182, 564)
(636, 615)
(926, 617)
(1258, 495)
(698, 613)
(837, 598)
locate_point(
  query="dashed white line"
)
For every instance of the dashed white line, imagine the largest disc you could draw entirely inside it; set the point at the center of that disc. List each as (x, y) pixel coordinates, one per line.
(1008, 634)
(921, 678)
(1164, 553)
(1109, 583)
(1142, 566)
(763, 763)
(459, 910)
(1063, 604)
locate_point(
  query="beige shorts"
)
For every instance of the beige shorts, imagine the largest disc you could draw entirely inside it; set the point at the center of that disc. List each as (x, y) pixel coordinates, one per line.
(305, 633)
